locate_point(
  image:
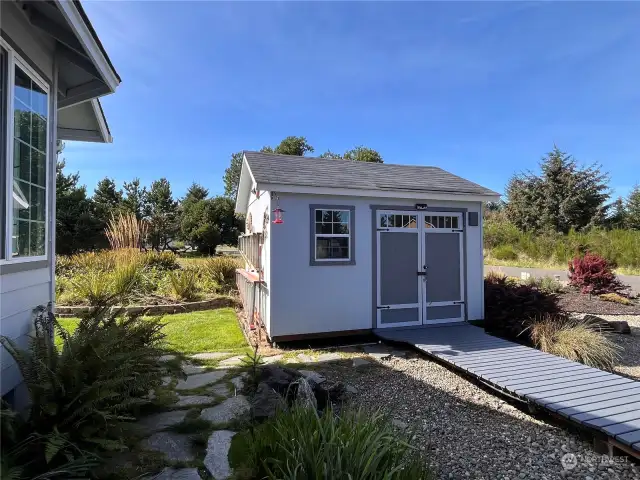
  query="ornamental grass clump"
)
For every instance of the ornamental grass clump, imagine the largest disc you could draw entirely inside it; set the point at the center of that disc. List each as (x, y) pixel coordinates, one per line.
(184, 284)
(574, 340)
(303, 444)
(222, 270)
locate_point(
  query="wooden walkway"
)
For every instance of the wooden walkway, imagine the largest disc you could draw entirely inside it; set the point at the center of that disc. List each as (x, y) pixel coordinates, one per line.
(590, 397)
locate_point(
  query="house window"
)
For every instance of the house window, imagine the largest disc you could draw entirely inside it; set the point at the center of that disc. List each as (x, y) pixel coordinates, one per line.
(332, 235)
(441, 221)
(26, 99)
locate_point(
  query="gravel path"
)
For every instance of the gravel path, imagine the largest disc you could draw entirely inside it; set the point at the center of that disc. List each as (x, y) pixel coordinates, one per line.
(629, 363)
(466, 432)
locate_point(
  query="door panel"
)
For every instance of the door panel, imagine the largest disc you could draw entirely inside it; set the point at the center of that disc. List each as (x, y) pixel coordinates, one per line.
(400, 315)
(442, 259)
(442, 312)
(398, 268)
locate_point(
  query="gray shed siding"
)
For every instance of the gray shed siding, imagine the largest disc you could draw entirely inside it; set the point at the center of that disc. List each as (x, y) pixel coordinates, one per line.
(308, 299)
(26, 285)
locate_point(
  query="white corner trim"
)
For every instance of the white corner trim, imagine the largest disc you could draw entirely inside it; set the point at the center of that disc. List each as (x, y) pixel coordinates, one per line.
(102, 121)
(80, 28)
(242, 201)
(356, 192)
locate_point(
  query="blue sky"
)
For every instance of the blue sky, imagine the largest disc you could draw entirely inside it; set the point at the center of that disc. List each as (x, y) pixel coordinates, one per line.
(480, 89)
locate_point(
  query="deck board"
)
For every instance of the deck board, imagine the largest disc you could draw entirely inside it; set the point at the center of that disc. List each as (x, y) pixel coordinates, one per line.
(600, 400)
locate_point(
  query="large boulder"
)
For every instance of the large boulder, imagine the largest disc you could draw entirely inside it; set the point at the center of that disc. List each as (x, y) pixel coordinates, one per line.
(266, 402)
(278, 378)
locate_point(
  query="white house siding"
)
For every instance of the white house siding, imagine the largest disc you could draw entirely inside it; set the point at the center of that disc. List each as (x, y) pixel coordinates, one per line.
(258, 206)
(21, 291)
(312, 299)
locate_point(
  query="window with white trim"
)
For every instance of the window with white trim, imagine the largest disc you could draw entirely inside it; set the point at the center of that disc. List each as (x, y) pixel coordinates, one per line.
(332, 235)
(26, 102)
(441, 221)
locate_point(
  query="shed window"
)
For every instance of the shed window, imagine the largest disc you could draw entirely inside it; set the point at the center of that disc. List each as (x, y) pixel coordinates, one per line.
(332, 235)
(441, 221)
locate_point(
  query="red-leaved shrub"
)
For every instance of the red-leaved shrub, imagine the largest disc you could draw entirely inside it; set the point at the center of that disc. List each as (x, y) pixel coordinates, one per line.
(593, 274)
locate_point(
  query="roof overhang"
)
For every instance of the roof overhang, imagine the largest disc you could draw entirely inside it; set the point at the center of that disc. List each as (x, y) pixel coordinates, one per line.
(244, 187)
(84, 122)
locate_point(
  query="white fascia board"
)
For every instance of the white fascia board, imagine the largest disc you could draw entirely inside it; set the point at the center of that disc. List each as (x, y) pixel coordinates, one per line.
(80, 28)
(355, 192)
(245, 183)
(102, 121)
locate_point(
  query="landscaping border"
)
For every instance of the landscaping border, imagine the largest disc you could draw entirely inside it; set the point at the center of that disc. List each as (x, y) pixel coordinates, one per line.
(74, 311)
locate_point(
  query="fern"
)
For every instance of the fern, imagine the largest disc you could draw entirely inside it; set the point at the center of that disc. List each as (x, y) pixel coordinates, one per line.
(79, 392)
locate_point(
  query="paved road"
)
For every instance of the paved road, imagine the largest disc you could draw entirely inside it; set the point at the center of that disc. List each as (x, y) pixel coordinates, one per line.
(632, 280)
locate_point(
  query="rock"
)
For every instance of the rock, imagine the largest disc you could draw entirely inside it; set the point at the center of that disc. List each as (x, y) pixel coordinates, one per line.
(312, 376)
(272, 359)
(266, 402)
(304, 358)
(360, 362)
(220, 390)
(231, 409)
(238, 381)
(209, 355)
(216, 460)
(278, 377)
(176, 474)
(166, 358)
(233, 361)
(160, 421)
(190, 369)
(399, 353)
(166, 381)
(620, 326)
(351, 389)
(329, 357)
(199, 380)
(175, 446)
(378, 351)
(305, 396)
(193, 400)
(329, 393)
(399, 424)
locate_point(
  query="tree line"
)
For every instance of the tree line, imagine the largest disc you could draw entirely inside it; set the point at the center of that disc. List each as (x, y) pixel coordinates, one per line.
(566, 196)
(197, 219)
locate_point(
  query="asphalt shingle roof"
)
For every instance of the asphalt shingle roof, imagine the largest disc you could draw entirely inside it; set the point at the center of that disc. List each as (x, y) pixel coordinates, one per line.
(269, 168)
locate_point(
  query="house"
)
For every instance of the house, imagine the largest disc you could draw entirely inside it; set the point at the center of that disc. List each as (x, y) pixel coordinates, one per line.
(52, 70)
(338, 247)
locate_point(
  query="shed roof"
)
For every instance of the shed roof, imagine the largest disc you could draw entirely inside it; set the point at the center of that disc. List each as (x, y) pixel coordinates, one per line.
(268, 168)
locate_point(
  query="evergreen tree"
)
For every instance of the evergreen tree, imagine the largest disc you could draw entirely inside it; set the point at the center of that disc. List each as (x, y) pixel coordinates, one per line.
(163, 214)
(618, 217)
(565, 196)
(633, 209)
(135, 199)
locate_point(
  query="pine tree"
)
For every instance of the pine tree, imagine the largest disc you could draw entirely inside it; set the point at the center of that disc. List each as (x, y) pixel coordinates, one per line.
(633, 209)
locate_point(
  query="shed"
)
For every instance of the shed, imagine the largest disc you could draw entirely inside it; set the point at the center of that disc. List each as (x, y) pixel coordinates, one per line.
(340, 247)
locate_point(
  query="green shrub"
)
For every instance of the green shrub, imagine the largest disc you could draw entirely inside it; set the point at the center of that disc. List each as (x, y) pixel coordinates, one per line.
(80, 392)
(222, 270)
(504, 252)
(510, 305)
(162, 261)
(99, 288)
(574, 340)
(184, 284)
(64, 265)
(545, 284)
(303, 444)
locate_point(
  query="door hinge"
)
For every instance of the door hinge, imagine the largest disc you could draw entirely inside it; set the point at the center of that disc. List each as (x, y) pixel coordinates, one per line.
(382, 229)
(386, 307)
(457, 230)
(461, 302)
(422, 273)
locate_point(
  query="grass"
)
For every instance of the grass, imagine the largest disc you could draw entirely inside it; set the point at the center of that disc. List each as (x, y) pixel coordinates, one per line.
(195, 332)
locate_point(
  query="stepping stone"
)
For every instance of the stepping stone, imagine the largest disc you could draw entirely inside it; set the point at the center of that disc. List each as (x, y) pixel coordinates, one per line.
(313, 376)
(231, 409)
(160, 421)
(166, 381)
(190, 369)
(166, 358)
(238, 381)
(176, 474)
(329, 357)
(217, 459)
(175, 446)
(399, 353)
(221, 390)
(210, 355)
(379, 352)
(304, 358)
(360, 362)
(193, 400)
(232, 362)
(272, 359)
(200, 380)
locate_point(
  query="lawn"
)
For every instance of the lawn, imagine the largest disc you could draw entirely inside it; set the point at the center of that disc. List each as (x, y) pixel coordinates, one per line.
(195, 332)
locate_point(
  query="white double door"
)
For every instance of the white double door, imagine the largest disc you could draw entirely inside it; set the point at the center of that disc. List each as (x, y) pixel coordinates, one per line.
(420, 268)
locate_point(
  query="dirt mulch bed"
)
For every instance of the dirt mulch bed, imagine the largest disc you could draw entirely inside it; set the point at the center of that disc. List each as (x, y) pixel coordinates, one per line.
(580, 303)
